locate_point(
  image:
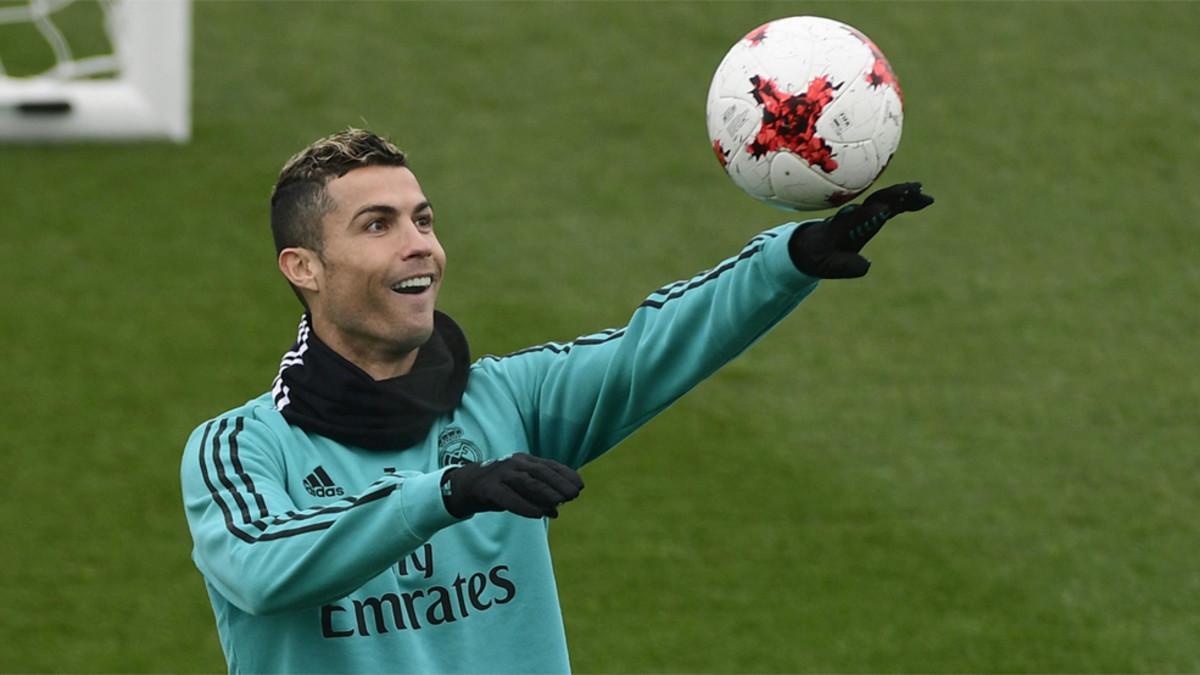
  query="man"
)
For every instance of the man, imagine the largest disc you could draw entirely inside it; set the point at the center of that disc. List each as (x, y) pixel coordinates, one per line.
(383, 507)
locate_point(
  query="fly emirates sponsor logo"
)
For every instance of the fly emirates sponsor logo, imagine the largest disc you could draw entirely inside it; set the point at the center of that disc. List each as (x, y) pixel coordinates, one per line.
(415, 609)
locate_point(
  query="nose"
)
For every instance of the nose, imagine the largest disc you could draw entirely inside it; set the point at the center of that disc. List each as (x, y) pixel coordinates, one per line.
(417, 243)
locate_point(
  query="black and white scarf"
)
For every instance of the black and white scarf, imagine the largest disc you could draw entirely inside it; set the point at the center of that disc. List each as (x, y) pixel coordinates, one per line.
(321, 392)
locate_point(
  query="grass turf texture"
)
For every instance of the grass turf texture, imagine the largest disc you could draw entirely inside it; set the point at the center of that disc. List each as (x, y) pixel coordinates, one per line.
(982, 457)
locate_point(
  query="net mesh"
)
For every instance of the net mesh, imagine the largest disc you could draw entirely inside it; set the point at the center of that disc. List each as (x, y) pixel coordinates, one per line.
(60, 40)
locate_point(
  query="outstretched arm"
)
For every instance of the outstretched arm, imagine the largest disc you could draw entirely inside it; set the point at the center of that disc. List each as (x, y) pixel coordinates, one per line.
(579, 399)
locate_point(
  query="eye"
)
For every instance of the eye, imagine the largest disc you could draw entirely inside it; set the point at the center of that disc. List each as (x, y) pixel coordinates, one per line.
(424, 221)
(376, 226)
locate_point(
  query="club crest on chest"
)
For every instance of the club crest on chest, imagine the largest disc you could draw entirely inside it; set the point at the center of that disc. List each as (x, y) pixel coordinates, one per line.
(453, 448)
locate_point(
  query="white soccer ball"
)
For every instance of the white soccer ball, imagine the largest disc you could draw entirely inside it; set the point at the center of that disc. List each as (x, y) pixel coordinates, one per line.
(804, 113)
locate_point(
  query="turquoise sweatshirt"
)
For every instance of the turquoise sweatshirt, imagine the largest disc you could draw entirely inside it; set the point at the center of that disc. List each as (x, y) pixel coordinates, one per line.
(322, 557)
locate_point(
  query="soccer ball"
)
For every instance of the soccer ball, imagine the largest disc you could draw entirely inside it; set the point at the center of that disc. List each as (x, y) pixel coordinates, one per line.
(804, 113)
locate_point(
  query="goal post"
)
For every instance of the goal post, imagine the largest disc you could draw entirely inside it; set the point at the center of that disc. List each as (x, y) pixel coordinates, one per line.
(142, 90)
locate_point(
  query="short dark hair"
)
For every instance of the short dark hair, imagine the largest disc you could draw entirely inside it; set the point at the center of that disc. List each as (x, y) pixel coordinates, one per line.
(299, 200)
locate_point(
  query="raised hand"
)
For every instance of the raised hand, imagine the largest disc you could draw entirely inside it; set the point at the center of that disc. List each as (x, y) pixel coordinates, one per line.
(829, 249)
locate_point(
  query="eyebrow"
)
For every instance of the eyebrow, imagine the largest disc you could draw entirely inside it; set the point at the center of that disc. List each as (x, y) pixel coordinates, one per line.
(388, 210)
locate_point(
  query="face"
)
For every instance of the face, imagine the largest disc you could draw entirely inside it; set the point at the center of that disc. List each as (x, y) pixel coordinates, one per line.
(379, 273)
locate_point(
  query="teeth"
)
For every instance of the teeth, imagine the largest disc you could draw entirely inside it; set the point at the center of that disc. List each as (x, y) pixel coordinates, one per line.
(415, 282)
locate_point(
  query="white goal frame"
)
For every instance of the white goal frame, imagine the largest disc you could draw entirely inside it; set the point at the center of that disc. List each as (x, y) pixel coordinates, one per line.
(149, 97)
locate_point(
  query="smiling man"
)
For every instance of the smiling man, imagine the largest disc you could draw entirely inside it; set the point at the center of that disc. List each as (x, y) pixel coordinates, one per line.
(371, 276)
(382, 508)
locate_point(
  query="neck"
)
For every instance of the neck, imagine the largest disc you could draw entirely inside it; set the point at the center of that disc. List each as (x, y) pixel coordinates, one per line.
(380, 361)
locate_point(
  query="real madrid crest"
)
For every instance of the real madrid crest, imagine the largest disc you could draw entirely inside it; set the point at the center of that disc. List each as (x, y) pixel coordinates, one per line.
(454, 449)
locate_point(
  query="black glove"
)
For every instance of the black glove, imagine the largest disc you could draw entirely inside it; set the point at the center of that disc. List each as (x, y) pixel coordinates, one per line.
(522, 484)
(829, 248)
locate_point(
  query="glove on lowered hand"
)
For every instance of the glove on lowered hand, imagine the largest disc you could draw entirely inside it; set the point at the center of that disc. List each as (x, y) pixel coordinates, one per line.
(829, 248)
(522, 484)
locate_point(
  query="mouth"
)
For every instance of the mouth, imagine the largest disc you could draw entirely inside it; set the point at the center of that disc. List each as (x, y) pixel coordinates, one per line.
(413, 285)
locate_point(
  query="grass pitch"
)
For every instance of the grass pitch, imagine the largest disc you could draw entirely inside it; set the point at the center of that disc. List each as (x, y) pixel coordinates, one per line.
(981, 457)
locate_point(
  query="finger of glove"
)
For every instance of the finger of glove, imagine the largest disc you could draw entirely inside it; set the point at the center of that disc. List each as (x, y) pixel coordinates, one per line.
(534, 489)
(564, 479)
(508, 499)
(892, 196)
(906, 197)
(917, 201)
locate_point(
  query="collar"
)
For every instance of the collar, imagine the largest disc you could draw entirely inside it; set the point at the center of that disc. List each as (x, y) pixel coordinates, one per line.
(321, 392)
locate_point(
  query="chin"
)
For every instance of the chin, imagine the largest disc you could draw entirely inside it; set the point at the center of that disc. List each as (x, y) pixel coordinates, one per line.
(413, 335)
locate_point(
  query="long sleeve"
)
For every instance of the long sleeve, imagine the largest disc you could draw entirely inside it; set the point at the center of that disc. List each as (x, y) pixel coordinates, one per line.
(579, 399)
(264, 555)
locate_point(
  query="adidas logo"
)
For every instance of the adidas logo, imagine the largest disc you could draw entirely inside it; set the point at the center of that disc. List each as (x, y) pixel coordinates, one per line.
(319, 484)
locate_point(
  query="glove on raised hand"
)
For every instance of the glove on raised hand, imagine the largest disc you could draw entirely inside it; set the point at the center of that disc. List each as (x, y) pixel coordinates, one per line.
(522, 484)
(829, 248)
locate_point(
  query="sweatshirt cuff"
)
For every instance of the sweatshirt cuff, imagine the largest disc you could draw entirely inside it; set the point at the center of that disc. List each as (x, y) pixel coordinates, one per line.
(421, 505)
(779, 259)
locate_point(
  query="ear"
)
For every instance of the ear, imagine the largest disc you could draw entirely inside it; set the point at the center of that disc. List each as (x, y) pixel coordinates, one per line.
(302, 268)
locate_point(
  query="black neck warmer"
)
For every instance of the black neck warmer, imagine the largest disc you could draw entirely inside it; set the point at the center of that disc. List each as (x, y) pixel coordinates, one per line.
(321, 392)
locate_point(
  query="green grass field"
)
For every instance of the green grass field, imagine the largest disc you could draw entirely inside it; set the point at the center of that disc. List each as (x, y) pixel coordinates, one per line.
(982, 457)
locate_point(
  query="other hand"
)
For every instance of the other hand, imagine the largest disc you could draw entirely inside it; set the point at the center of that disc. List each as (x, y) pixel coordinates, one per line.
(522, 484)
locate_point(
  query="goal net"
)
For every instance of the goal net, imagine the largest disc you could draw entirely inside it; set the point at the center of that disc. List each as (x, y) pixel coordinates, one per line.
(95, 69)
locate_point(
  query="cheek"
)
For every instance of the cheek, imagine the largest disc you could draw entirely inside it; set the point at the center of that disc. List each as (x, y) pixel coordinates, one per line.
(345, 280)
(439, 254)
